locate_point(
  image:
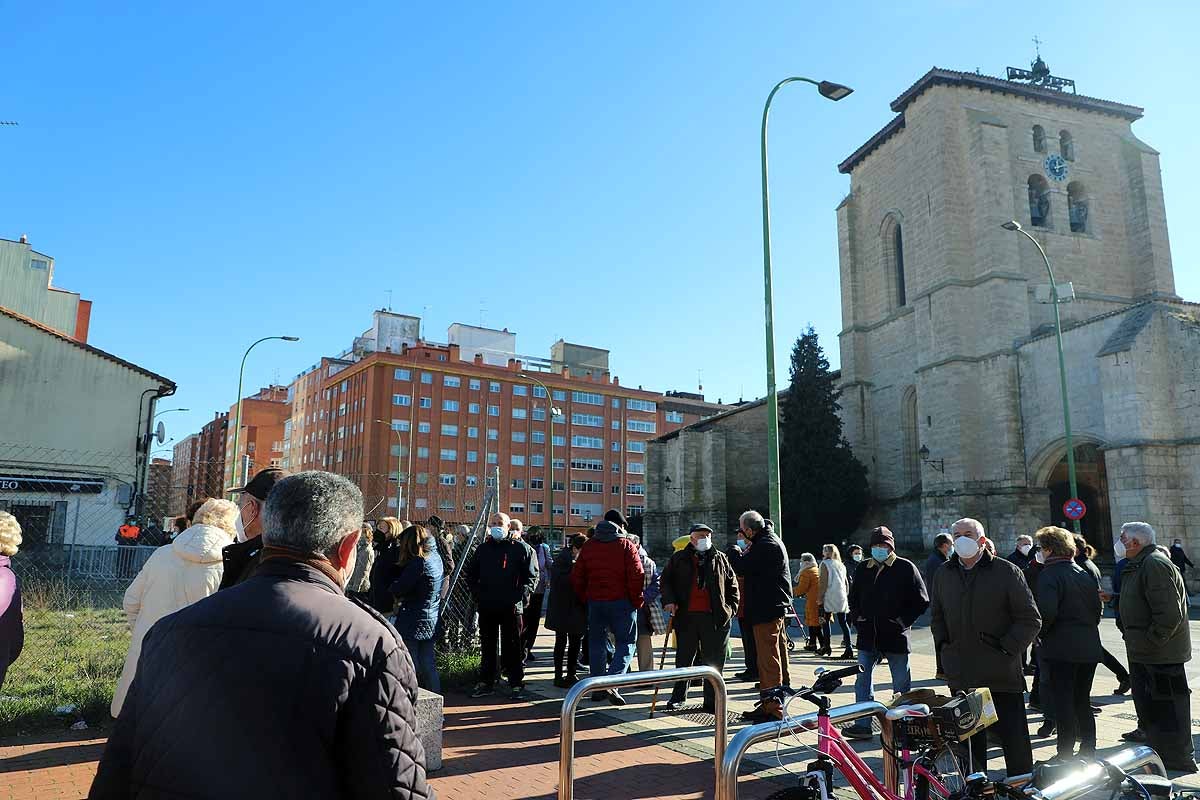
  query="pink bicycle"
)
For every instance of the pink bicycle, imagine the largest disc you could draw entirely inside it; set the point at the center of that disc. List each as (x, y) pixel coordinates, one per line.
(926, 761)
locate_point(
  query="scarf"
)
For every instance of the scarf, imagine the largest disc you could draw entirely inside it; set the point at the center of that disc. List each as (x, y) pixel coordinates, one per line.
(317, 562)
(702, 562)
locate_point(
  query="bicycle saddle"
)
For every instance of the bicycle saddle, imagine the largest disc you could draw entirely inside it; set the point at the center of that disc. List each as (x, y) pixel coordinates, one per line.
(900, 712)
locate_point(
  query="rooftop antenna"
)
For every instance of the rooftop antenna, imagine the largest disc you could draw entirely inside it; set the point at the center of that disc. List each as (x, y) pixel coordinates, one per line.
(482, 308)
(389, 302)
(1037, 46)
(699, 381)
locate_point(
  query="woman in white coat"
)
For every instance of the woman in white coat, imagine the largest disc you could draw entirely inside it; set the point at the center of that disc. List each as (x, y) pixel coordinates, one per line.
(175, 576)
(834, 591)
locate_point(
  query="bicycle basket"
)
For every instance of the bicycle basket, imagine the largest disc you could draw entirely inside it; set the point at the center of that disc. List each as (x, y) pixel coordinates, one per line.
(916, 733)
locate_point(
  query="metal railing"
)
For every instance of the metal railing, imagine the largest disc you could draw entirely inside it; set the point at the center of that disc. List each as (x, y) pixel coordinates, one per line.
(108, 562)
(566, 741)
(727, 767)
(1091, 776)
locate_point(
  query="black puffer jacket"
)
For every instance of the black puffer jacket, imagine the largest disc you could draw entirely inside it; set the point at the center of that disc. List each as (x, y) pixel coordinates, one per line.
(764, 565)
(885, 600)
(278, 687)
(501, 575)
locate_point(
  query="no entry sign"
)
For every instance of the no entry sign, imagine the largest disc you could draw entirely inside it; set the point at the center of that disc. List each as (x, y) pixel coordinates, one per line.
(1074, 508)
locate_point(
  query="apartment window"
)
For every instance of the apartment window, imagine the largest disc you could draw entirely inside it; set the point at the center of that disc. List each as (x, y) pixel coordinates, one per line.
(472, 456)
(422, 452)
(490, 481)
(449, 455)
(558, 440)
(539, 414)
(451, 381)
(587, 486)
(556, 510)
(538, 437)
(559, 394)
(345, 384)
(616, 489)
(517, 483)
(493, 386)
(426, 402)
(560, 463)
(517, 461)
(616, 467)
(675, 417)
(472, 480)
(616, 447)
(422, 478)
(520, 413)
(469, 506)
(493, 411)
(492, 458)
(472, 408)
(636, 447)
(472, 432)
(635, 468)
(445, 505)
(616, 403)
(447, 480)
(421, 502)
(537, 461)
(449, 430)
(520, 391)
(516, 508)
(427, 377)
(590, 464)
(537, 483)
(539, 391)
(635, 488)
(518, 436)
(635, 511)
(422, 427)
(536, 507)
(590, 398)
(399, 450)
(588, 420)
(341, 435)
(474, 384)
(493, 435)
(640, 426)
(558, 418)
(616, 424)
(449, 405)
(641, 405)
(342, 410)
(588, 511)
(590, 442)
(558, 486)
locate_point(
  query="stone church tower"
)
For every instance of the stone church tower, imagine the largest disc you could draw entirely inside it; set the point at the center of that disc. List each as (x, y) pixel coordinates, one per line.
(949, 371)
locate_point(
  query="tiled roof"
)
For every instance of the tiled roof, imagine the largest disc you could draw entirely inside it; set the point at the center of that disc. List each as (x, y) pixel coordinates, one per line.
(96, 351)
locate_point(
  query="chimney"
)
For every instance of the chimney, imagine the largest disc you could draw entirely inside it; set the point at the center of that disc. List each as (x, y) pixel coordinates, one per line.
(24, 239)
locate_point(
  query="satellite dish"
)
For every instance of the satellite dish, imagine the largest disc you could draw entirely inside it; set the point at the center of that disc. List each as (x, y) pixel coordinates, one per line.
(160, 433)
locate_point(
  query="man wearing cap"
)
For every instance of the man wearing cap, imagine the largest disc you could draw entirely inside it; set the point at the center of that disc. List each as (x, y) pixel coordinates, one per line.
(242, 557)
(886, 598)
(700, 590)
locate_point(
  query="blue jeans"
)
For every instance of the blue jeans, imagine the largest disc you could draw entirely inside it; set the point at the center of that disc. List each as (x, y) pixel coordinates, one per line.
(864, 689)
(422, 656)
(619, 617)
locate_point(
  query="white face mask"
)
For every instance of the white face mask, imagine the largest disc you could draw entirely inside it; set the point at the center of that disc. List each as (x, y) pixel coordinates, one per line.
(240, 527)
(966, 547)
(1119, 549)
(1023, 549)
(703, 544)
(496, 532)
(1040, 557)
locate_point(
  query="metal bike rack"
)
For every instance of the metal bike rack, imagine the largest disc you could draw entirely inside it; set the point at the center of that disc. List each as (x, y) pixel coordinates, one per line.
(566, 740)
(727, 768)
(1082, 782)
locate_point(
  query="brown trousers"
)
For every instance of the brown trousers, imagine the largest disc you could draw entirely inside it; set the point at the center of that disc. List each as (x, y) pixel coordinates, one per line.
(770, 667)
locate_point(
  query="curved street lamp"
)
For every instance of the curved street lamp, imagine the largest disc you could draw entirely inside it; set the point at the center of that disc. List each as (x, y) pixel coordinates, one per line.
(1015, 227)
(831, 91)
(237, 427)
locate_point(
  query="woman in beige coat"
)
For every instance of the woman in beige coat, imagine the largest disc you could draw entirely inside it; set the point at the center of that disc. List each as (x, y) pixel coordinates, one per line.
(175, 576)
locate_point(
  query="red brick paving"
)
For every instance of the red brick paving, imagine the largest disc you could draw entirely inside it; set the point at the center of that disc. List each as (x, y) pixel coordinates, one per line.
(59, 764)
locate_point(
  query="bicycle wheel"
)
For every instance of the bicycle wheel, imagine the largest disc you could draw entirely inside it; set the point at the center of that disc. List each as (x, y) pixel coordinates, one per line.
(944, 762)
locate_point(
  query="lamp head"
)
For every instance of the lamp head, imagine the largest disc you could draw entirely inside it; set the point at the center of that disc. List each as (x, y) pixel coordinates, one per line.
(1011, 225)
(924, 453)
(290, 338)
(834, 91)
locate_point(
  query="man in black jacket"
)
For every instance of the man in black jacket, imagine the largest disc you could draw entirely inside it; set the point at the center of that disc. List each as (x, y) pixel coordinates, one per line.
(700, 591)
(241, 558)
(886, 598)
(501, 576)
(1022, 554)
(764, 565)
(279, 687)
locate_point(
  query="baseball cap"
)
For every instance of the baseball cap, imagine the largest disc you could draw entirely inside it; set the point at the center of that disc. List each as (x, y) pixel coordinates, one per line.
(261, 484)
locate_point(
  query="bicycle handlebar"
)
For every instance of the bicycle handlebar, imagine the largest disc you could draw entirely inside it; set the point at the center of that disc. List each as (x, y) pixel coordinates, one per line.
(838, 674)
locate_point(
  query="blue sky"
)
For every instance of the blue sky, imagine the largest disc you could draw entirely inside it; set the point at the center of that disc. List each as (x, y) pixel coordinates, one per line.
(209, 175)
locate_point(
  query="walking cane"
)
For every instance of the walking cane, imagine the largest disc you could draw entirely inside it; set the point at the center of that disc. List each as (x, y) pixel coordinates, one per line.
(662, 662)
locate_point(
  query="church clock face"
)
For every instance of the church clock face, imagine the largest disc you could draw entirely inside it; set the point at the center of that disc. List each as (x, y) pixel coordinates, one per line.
(1056, 167)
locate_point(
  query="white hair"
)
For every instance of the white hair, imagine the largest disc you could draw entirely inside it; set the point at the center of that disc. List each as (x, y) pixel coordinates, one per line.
(499, 518)
(10, 534)
(808, 557)
(312, 512)
(516, 524)
(752, 520)
(1140, 531)
(1025, 537)
(970, 523)
(219, 513)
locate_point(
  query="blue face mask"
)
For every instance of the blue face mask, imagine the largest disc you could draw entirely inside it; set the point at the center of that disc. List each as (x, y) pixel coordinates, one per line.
(880, 553)
(497, 533)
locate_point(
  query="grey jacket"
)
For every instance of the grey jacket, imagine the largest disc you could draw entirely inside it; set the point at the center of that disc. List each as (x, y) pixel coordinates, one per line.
(1068, 598)
(982, 619)
(1154, 617)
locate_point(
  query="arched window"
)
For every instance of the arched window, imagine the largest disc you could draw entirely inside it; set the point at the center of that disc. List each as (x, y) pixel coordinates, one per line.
(898, 261)
(910, 439)
(1039, 202)
(1077, 206)
(892, 247)
(1066, 145)
(1039, 139)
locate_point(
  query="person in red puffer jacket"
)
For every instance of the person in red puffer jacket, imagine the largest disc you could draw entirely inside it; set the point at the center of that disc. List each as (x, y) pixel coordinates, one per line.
(608, 577)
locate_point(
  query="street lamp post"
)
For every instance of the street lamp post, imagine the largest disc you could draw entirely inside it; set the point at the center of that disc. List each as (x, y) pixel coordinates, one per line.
(551, 412)
(237, 427)
(399, 455)
(1015, 226)
(832, 91)
(169, 410)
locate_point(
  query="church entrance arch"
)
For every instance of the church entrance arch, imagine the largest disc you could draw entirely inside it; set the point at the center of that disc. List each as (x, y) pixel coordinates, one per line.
(1092, 480)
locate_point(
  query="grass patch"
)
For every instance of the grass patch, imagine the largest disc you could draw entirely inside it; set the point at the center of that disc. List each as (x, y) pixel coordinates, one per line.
(71, 657)
(458, 670)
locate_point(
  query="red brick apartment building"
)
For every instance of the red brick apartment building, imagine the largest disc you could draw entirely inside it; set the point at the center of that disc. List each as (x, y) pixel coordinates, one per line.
(264, 416)
(445, 425)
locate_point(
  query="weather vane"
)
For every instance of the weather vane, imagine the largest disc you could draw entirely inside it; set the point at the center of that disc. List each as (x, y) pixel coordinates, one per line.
(1039, 75)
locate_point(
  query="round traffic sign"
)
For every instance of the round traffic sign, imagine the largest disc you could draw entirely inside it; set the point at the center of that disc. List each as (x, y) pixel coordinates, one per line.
(1074, 508)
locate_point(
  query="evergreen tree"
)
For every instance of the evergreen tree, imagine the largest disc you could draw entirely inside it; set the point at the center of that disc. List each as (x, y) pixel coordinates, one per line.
(823, 486)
